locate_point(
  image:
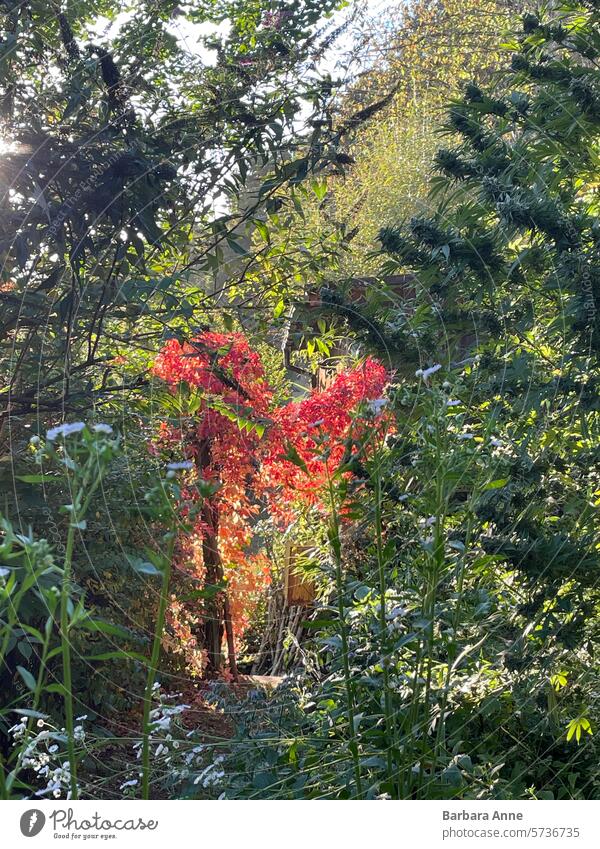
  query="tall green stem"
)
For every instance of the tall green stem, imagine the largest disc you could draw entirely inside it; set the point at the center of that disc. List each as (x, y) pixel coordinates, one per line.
(337, 554)
(65, 595)
(6, 786)
(434, 574)
(9, 628)
(158, 633)
(66, 656)
(389, 719)
(441, 729)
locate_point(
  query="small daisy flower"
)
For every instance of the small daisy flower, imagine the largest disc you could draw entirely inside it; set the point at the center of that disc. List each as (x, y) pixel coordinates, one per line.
(426, 373)
(64, 430)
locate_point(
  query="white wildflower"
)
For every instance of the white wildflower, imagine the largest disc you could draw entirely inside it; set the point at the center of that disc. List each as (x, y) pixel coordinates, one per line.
(212, 774)
(426, 373)
(186, 465)
(19, 729)
(64, 430)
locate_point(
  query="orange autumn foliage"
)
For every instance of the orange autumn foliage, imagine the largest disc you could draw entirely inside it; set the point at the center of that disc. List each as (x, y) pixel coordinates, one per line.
(239, 443)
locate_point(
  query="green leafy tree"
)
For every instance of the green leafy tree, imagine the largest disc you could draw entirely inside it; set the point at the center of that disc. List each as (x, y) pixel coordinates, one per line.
(511, 252)
(123, 155)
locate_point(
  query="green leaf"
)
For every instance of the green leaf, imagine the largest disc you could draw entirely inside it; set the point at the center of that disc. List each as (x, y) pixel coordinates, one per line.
(263, 780)
(25, 649)
(34, 714)
(27, 677)
(576, 726)
(99, 625)
(452, 775)
(237, 248)
(497, 484)
(373, 761)
(295, 458)
(118, 655)
(143, 567)
(319, 188)
(56, 688)
(322, 346)
(263, 230)
(210, 591)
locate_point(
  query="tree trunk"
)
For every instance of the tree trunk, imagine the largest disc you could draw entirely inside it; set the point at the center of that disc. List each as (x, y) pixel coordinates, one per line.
(213, 606)
(230, 643)
(217, 616)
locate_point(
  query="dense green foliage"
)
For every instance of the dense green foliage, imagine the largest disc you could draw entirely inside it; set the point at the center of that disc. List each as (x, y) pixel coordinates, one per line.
(122, 148)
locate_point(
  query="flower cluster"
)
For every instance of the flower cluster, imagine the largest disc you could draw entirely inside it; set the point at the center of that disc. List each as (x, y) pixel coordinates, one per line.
(40, 753)
(163, 723)
(213, 774)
